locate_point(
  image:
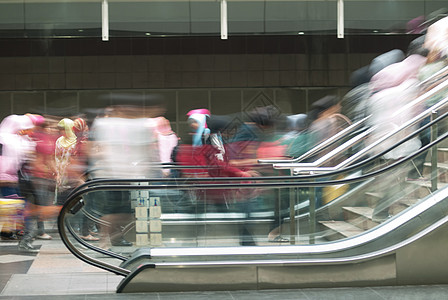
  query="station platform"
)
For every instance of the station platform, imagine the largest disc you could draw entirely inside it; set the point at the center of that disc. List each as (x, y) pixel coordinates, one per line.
(54, 273)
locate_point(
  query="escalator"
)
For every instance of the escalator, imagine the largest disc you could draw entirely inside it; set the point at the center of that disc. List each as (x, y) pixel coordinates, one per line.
(371, 225)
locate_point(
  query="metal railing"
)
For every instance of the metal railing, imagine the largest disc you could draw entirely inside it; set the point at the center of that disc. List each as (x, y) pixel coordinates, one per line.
(418, 101)
(352, 128)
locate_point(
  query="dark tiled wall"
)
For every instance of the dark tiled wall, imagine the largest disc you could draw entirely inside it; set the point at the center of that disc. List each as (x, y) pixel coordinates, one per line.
(201, 45)
(65, 75)
(196, 62)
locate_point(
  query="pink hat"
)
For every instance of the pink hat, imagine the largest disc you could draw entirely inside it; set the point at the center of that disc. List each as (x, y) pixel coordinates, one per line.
(201, 111)
(79, 125)
(36, 119)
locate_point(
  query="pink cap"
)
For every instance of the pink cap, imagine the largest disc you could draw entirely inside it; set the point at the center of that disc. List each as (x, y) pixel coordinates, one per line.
(201, 111)
(36, 119)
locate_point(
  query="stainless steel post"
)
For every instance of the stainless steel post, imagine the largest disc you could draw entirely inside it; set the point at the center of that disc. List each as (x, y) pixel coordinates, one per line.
(434, 154)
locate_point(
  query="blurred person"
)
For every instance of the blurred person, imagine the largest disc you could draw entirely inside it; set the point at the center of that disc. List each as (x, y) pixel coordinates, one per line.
(295, 125)
(197, 120)
(397, 73)
(208, 149)
(354, 104)
(416, 25)
(394, 87)
(273, 145)
(326, 121)
(436, 61)
(15, 149)
(297, 139)
(270, 140)
(256, 139)
(79, 163)
(436, 38)
(384, 60)
(67, 175)
(208, 146)
(167, 141)
(124, 145)
(41, 173)
(431, 66)
(37, 184)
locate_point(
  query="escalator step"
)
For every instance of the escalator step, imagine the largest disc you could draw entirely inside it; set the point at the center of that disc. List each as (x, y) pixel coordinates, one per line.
(361, 211)
(443, 166)
(342, 228)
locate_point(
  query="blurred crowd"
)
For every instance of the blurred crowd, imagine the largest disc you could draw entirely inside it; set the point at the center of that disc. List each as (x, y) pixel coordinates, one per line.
(44, 157)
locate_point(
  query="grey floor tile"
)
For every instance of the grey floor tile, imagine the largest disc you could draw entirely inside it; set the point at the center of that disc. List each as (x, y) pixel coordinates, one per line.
(139, 296)
(4, 280)
(112, 282)
(341, 294)
(443, 287)
(47, 297)
(412, 292)
(93, 283)
(15, 267)
(268, 294)
(25, 285)
(219, 295)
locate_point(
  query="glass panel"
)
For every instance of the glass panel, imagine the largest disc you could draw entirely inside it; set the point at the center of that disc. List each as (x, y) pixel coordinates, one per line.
(154, 17)
(205, 17)
(66, 18)
(181, 215)
(144, 18)
(12, 16)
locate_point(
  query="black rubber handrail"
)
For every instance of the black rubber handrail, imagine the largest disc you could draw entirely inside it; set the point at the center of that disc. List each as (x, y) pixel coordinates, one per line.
(268, 178)
(74, 199)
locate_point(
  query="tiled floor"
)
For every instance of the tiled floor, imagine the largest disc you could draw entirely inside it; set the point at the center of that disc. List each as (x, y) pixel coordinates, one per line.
(55, 273)
(377, 293)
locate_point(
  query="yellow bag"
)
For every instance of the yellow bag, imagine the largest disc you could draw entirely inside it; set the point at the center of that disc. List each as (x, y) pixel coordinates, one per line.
(333, 191)
(11, 213)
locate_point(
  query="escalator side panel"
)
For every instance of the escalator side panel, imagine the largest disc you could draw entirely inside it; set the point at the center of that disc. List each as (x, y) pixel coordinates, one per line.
(149, 279)
(424, 261)
(380, 271)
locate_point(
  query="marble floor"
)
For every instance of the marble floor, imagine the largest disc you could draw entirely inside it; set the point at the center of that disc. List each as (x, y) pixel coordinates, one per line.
(54, 273)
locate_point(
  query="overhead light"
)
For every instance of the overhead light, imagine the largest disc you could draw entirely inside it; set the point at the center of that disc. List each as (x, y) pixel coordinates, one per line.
(148, 33)
(301, 32)
(375, 31)
(80, 30)
(340, 24)
(105, 20)
(223, 19)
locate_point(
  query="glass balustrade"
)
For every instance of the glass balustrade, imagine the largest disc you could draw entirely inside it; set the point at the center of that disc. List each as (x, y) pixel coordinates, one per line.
(186, 213)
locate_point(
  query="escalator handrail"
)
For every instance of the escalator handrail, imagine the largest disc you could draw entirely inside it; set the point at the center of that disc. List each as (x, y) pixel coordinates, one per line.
(79, 254)
(320, 146)
(368, 236)
(269, 178)
(249, 185)
(304, 261)
(280, 166)
(74, 198)
(356, 125)
(312, 166)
